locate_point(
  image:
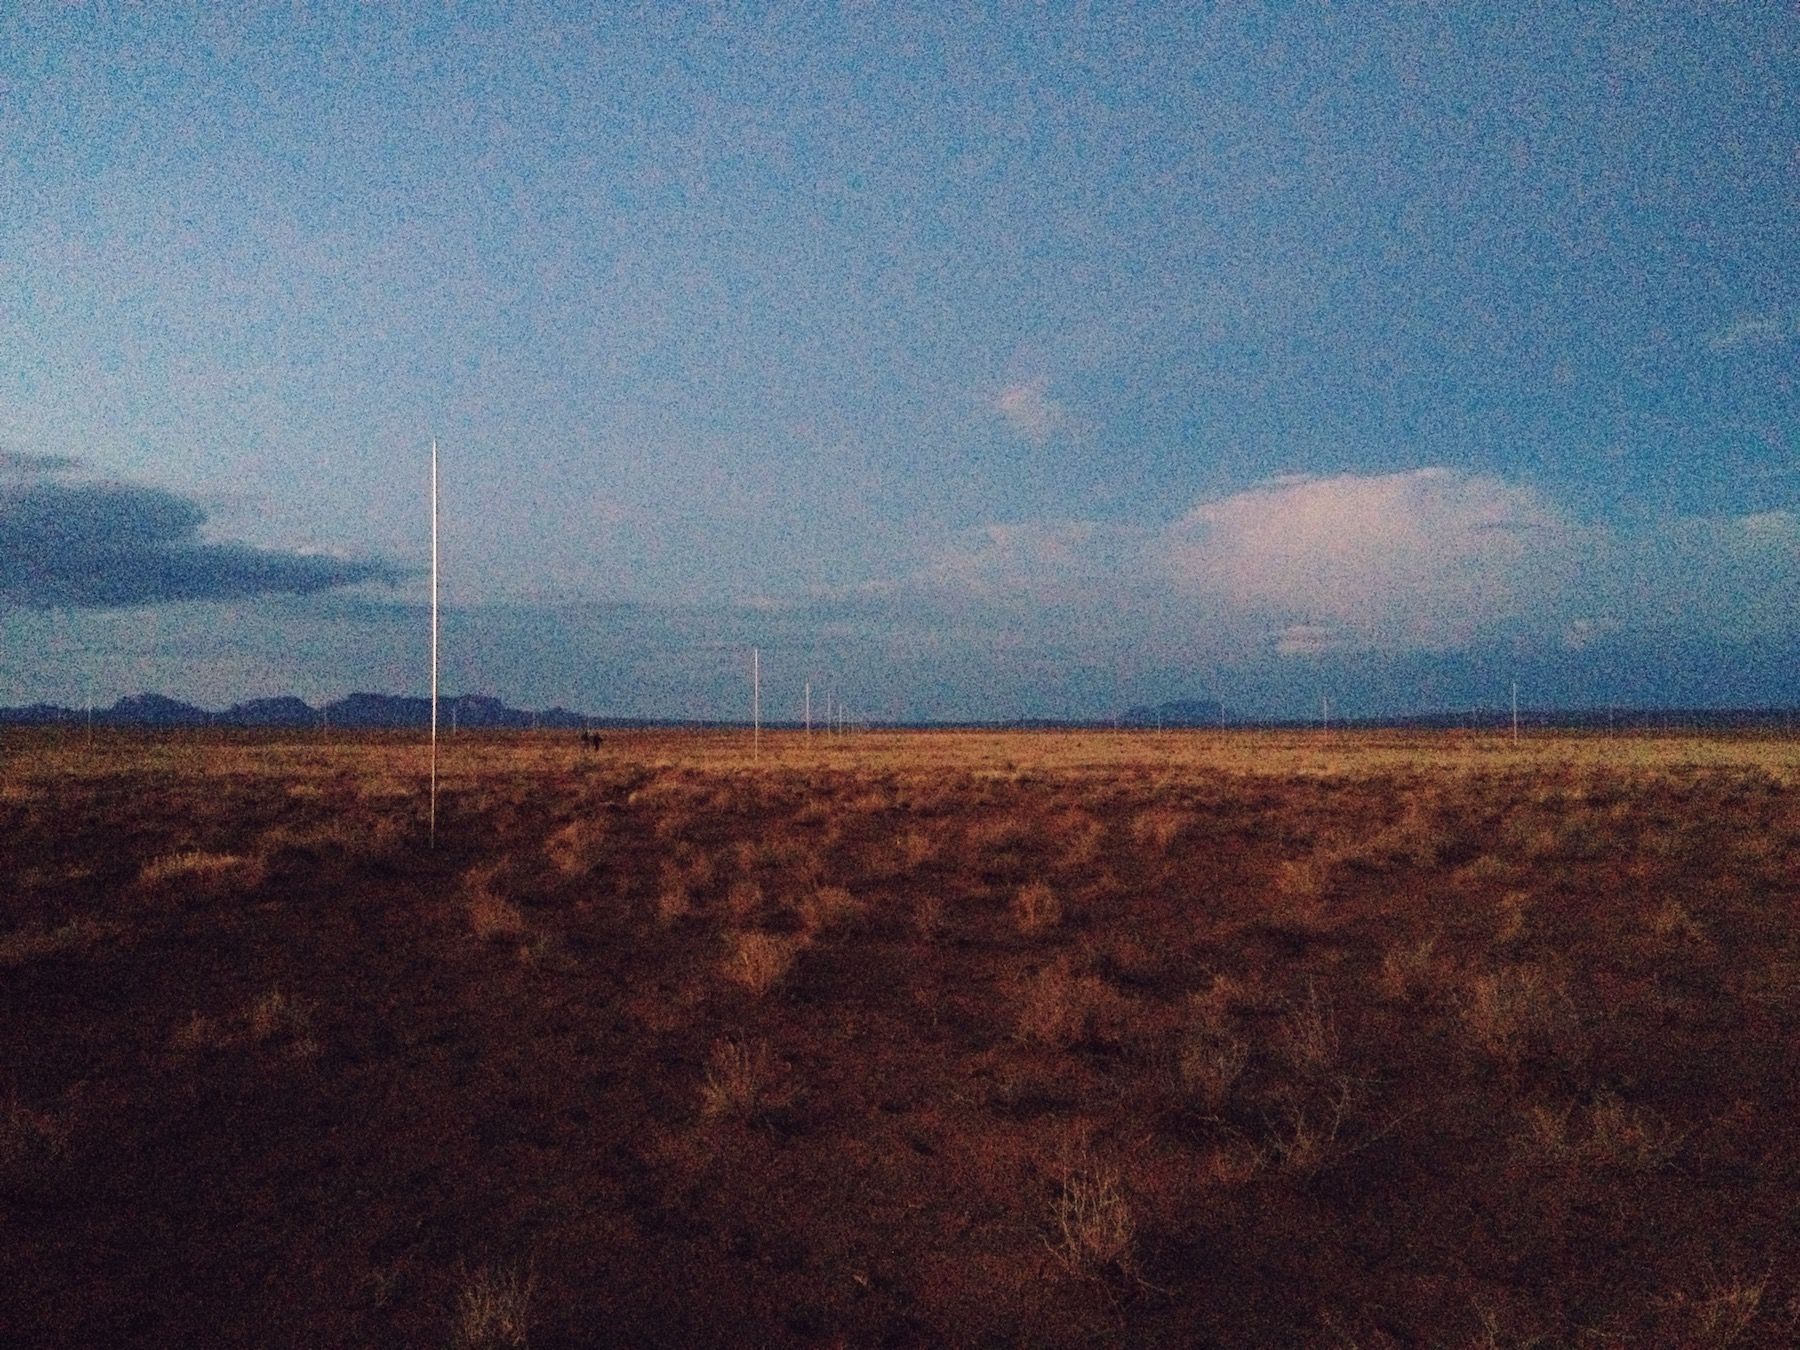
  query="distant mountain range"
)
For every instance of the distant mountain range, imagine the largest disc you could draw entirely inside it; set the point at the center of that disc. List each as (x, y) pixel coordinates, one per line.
(474, 711)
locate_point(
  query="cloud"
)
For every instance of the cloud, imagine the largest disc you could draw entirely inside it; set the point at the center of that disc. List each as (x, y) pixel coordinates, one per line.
(1026, 407)
(1418, 560)
(93, 545)
(1755, 330)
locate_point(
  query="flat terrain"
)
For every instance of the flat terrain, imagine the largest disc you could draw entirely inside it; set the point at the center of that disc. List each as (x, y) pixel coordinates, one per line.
(914, 1039)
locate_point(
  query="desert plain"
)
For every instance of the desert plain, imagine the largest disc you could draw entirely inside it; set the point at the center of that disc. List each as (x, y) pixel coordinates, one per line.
(1229, 1038)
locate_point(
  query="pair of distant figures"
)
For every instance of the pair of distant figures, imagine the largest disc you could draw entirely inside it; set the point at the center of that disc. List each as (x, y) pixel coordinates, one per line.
(590, 740)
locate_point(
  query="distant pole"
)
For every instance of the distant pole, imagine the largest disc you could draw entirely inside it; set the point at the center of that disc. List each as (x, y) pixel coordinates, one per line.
(756, 701)
(1325, 709)
(1515, 711)
(809, 710)
(434, 638)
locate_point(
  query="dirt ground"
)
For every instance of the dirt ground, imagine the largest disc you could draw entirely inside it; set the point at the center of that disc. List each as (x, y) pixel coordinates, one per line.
(905, 1039)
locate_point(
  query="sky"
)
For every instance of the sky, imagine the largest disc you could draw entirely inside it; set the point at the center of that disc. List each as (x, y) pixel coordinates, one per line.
(969, 362)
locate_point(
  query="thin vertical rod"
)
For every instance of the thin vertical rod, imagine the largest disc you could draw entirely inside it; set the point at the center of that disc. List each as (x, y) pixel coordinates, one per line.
(756, 700)
(434, 637)
(1515, 710)
(809, 710)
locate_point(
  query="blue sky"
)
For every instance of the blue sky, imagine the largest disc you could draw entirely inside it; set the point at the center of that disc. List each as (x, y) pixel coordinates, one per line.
(1021, 360)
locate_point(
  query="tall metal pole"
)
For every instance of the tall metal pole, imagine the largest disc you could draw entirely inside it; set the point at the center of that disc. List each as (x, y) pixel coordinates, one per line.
(809, 710)
(1515, 711)
(756, 701)
(434, 637)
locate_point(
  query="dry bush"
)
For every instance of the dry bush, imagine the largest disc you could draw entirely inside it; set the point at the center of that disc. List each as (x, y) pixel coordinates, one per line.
(1093, 1229)
(493, 1309)
(825, 907)
(673, 903)
(759, 961)
(744, 902)
(1671, 922)
(1036, 908)
(1410, 971)
(1311, 1136)
(274, 1018)
(1519, 1011)
(737, 1077)
(916, 848)
(1307, 1039)
(1011, 832)
(1301, 883)
(1609, 1135)
(1721, 1314)
(36, 943)
(492, 917)
(1155, 830)
(1060, 1009)
(577, 848)
(1078, 836)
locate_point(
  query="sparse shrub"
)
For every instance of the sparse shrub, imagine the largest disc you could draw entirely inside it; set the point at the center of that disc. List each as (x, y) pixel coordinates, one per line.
(736, 1077)
(1094, 1231)
(1308, 1036)
(493, 1309)
(1036, 908)
(759, 961)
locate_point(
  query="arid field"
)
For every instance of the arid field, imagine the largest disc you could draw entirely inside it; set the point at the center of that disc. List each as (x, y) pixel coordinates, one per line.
(908, 1039)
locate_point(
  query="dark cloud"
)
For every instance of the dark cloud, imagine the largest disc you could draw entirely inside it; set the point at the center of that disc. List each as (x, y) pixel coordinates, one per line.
(68, 544)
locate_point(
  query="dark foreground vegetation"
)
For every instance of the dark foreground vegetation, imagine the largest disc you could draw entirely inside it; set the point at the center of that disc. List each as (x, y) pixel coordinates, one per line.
(1378, 1040)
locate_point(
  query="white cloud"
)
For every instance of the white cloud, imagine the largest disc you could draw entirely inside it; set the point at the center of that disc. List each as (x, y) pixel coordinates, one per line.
(1755, 330)
(1420, 560)
(1028, 409)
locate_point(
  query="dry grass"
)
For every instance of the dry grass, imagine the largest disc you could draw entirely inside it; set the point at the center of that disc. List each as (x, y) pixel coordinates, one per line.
(1093, 1229)
(493, 1309)
(197, 866)
(736, 1080)
(1522, 1011)
(759, 961)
